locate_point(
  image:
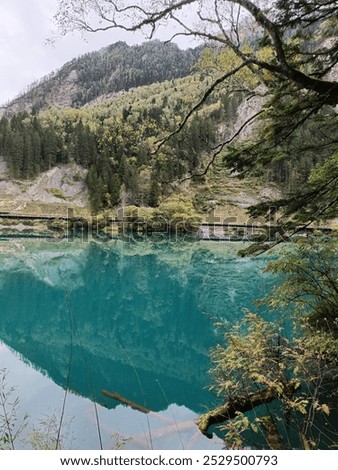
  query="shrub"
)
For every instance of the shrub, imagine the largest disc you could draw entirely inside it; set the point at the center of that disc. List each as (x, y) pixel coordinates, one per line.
(178, 214)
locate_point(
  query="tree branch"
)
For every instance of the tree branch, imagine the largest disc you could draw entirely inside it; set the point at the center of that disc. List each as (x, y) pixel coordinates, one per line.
(241, 405)
(268, 26)
(197, 106)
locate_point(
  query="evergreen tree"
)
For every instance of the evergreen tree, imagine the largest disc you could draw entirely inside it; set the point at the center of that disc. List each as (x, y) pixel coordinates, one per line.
(114, 190)
(155, 190)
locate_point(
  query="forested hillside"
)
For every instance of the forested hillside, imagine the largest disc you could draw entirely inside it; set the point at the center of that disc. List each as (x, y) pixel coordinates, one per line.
(104, 73)
(118, 141)
(115, 141)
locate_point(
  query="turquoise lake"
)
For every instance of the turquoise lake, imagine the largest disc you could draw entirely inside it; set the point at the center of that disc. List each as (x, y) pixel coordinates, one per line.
(132, 318)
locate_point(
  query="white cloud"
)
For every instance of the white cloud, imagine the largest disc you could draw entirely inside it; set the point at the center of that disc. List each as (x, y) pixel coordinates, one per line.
(25, 56)
(21, 30)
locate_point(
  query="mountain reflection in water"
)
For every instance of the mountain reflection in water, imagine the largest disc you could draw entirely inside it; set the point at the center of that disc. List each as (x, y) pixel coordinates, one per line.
(136, 319)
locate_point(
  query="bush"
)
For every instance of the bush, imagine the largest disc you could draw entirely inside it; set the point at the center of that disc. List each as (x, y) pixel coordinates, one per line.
(178, 214)
(175, 214)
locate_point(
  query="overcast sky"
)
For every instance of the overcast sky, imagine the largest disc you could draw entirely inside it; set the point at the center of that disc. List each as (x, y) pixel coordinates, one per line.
(25, 25)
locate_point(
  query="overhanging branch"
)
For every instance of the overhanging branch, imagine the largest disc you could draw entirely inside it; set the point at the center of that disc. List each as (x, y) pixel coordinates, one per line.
(241, 405)
(198, 105)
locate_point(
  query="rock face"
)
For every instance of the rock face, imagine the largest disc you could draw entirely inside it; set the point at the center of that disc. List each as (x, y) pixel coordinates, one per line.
(47, 95)
(61, 184)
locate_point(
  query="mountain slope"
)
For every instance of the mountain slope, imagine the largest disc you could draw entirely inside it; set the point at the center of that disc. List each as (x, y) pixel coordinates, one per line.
(117, 141)
(102, 74)
(52, 192)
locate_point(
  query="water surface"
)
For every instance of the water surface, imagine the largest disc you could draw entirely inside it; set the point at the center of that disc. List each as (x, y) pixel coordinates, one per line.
(135, 319)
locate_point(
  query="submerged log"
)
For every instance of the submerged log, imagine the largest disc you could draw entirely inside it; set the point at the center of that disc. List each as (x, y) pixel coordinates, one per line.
(125, 401)
(240, 405)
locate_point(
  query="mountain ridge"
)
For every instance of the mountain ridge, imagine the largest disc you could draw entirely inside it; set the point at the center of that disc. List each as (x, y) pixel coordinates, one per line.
(99, 75)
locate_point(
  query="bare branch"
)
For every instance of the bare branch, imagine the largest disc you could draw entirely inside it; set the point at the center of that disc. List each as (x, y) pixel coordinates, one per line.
(197, 106)
(221, 146)
(134, 17)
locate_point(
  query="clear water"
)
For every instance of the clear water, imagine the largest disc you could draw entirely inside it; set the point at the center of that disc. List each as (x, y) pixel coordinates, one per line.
(135, 319)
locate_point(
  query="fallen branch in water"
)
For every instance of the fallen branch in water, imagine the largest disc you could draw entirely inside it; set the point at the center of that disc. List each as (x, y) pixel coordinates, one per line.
(125, 401)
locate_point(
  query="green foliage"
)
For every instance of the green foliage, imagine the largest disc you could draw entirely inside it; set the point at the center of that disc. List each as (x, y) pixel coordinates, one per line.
(224, 60)
(250, 361)
(177, 213)
(28, 147)
(309, 285)
(256, 356)
(141, 218)
(291, 362)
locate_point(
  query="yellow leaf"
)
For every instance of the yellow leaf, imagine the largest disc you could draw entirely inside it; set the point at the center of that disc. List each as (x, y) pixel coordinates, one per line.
(326, 409)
